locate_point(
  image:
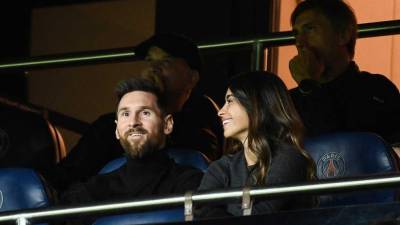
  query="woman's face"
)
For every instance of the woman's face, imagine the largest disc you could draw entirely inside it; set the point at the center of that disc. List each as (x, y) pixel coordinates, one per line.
(234, 118)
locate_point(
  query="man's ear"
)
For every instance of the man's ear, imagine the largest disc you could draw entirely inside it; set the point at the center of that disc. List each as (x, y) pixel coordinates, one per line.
(195, 78)
(344, 37)
(116, 131)
(168, 124)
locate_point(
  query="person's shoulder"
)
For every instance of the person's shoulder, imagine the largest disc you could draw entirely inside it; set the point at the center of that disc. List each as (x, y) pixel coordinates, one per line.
(289, 154)
(185, 177)
(184, 170)
(288, 165)
(200, 102)
(379, 87)
(106, 117)
(226, 161)
(104, 120)
(376, 80)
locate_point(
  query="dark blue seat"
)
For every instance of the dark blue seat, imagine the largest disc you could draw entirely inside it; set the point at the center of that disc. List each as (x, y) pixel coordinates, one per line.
(151, 217)
(21, 188)
(41, 146)
(181, 156)
(352, 154)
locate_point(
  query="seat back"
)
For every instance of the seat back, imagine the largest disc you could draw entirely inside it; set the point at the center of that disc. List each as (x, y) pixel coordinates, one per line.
(28, 140)
(21, 188)
(180, 156)
(151, 217)
(352, 154)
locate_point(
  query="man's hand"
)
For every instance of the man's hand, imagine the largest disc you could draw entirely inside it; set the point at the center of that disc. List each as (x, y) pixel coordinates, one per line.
(306, 65)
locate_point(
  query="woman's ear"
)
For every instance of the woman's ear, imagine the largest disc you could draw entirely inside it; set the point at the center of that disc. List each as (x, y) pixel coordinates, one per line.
(168, 124)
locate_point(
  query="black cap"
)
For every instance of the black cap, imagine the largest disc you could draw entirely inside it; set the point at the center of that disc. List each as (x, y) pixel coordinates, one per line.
(175, 45)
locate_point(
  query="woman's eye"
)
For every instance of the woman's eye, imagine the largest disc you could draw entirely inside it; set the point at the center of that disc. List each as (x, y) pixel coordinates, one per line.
(229, 100)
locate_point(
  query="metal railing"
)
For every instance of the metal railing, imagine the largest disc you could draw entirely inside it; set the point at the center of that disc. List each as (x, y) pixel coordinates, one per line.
(257, 43)
(23, 217)
(123, 54)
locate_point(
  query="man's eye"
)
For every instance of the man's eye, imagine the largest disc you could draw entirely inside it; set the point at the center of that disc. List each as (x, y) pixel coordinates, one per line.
(146, 113)
(308, 28)
(166, 63)
(125, 114)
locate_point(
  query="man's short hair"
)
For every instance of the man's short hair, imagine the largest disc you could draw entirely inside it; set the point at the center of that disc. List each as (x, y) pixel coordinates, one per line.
(175, 45)
(338, 13)
(150, 84)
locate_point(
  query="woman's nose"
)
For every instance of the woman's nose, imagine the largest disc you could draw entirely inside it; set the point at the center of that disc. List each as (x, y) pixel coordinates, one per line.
(222, 111)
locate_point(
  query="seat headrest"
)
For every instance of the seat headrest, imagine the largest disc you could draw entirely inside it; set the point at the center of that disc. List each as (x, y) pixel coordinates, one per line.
(21, 189)
(350, 154)
(181, 156)
(189, 157)
(157, 216)
(25, 140)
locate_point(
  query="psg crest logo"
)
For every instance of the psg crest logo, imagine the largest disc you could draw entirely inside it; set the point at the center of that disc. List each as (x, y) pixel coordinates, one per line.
(331, 165)
(4, 142)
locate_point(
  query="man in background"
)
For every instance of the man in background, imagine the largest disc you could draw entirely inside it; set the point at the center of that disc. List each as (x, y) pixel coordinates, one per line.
(332, 93)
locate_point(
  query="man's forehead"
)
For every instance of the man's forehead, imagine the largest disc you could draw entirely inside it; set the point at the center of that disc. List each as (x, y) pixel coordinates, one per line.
(138, 98)
(157, 53)
(308, 17)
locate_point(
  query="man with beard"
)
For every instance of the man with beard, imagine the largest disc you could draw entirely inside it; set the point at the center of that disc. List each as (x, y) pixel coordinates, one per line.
(176, 61)
(333, 94)
(142, 126)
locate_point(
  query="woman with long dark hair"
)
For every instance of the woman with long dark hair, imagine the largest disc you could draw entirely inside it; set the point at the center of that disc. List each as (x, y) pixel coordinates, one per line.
(264, 145)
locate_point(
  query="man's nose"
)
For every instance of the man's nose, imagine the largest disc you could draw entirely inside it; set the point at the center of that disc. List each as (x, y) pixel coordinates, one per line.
(155, 67)
(301, 40)
(135, 121)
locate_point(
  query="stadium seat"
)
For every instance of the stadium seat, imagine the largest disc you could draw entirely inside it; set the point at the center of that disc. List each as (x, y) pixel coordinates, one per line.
(28, 140)
(22, 188)
(181, 156)
(352, 154)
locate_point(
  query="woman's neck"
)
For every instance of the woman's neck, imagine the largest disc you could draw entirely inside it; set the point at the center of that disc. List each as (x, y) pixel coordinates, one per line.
(250, 157)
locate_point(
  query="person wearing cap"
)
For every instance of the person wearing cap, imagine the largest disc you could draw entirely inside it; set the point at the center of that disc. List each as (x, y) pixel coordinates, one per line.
(176, 61)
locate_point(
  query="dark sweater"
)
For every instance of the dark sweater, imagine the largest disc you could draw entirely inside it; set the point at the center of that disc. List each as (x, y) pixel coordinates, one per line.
(231, 171)
(156, 174)
(196, 127)
(355, 101)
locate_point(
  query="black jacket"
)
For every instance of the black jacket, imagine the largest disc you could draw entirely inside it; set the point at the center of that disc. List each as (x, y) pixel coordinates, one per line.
(288, 166)
(150, 176)
(355, 101)
(155, 174)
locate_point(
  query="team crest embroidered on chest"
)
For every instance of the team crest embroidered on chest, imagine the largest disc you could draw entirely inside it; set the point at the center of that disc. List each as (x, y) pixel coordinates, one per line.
(4, 142)
(331, 165)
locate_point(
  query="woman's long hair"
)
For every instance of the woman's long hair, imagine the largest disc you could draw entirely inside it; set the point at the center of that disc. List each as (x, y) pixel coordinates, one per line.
(273, 119)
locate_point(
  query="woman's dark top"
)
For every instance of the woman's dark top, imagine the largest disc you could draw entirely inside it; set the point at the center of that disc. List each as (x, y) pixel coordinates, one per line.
(287, 167)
